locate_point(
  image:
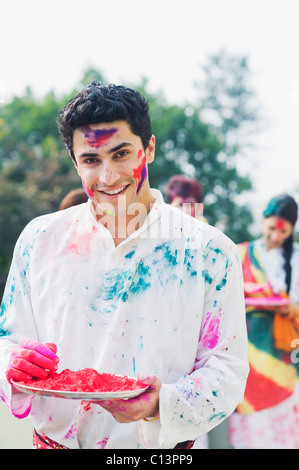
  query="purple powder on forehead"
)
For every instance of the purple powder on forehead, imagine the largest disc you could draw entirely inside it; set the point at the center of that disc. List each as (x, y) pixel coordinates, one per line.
(98, 137)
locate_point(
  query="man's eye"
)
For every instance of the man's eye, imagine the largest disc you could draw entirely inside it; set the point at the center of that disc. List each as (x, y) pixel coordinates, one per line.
(121, 154)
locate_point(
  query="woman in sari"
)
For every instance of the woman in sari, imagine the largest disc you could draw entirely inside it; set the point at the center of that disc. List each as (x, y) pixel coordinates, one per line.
(268, 418)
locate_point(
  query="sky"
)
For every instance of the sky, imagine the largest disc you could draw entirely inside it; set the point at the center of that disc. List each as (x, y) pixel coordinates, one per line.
(48, 46)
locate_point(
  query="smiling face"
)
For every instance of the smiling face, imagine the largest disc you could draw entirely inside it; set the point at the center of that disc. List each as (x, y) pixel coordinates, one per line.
(112, 164)
(275, 231)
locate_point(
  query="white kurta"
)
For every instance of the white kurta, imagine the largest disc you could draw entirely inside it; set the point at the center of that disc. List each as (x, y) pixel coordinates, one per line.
(167, 301)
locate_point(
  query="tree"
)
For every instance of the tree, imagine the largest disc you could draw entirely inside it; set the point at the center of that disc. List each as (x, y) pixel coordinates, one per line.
(228, 105)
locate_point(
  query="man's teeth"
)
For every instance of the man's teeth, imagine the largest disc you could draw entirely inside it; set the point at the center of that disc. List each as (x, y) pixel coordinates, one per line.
(114, 191)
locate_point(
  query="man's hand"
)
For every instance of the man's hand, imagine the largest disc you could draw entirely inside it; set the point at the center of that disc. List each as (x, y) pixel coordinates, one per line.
(31, 359)
(134, 409)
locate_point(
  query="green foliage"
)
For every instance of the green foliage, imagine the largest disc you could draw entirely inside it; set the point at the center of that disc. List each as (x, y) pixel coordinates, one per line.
(36, 171)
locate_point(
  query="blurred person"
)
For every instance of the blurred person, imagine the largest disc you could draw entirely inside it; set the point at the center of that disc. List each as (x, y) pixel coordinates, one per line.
(269, 416)
(73, 198)
(123, 284)
(187, 194)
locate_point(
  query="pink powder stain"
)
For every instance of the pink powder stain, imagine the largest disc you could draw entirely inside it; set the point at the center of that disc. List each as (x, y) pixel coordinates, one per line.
(71, 432)
(140, 173)
(85, 405)
(139, 153)
(211, 331)
(82, 242)
(102, 444)
(280, 224)
(98, 137)
(87, 190)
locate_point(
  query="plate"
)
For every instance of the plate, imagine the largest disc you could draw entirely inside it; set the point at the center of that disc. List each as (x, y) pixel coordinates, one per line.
(266, 301)
(88, 396)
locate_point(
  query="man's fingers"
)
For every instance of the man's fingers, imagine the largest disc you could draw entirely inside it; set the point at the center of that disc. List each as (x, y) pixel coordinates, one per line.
(40, 348)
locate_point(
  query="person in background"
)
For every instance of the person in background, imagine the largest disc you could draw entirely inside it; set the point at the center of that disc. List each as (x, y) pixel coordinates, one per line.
(187, 194)
(73, 198)
(268, 418)
(123, 284)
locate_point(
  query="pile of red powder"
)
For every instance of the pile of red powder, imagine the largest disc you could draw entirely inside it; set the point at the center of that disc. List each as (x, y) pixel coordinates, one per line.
(86, 380)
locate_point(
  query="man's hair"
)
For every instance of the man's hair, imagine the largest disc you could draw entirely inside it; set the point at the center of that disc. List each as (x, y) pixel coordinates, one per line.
(98, 103)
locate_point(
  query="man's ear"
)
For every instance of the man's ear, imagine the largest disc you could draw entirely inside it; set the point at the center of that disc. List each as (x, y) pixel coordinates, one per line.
(150, 150)
(75, 162)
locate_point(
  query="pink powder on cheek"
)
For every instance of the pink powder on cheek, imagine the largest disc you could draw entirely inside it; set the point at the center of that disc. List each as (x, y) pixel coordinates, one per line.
(140, 173)
(87, 190)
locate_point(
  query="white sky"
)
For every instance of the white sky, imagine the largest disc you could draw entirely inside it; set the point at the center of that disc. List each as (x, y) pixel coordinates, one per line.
(48, 45)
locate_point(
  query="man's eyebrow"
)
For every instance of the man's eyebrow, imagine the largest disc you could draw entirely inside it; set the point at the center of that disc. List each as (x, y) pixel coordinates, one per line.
(118, 147)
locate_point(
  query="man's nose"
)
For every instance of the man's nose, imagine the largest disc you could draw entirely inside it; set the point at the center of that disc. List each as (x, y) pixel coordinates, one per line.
(108, 175)
(276, 236)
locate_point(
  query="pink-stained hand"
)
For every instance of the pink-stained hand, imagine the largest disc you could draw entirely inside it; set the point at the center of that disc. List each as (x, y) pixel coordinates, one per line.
(31, 359)
(258, 290)
(143, 406)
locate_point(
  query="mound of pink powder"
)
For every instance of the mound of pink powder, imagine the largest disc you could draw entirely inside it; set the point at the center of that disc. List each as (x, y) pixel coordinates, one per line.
(86, 380)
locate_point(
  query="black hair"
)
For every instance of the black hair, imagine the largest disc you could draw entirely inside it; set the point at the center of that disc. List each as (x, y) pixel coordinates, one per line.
(285, 207)
(98, 103)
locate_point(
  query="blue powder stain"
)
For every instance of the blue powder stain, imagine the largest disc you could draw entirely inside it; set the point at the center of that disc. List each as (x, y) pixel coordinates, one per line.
(3, 331)
(217, 416)
(188, 260)
(224, 280)
(218, 251)
(207, 277)
(169, 255)
(134, 369)
(130, 254)
(121, 285)
(221, 284)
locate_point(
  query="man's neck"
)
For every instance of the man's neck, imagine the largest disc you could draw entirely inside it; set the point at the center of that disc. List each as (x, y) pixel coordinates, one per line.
(121, 227)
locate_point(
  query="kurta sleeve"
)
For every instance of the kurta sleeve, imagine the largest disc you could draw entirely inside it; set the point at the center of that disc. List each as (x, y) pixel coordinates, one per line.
(16, 320)
(200, 400)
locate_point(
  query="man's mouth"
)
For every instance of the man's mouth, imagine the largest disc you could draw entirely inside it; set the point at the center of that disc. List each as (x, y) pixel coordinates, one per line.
(114, 192)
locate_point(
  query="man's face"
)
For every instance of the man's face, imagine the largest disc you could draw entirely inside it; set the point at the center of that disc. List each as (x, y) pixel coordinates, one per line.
(276, 231)
(112, 164)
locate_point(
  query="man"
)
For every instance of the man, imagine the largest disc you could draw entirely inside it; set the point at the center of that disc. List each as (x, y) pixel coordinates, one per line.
(123, 284)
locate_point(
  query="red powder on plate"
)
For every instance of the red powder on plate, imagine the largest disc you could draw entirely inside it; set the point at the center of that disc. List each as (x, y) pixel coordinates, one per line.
(86, 380)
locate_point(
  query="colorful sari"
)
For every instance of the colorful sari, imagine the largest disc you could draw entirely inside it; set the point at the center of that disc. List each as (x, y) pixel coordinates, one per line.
(272, 377)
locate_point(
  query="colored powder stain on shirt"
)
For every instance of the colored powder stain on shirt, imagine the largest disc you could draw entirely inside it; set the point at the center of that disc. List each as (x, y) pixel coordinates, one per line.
(102, 444)
(3, 331)
(98, 137)
(217, 416)
(86, 380)
(169, 255)
(211, 331)
(189, 262)
(130, 254)
(207, 277)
